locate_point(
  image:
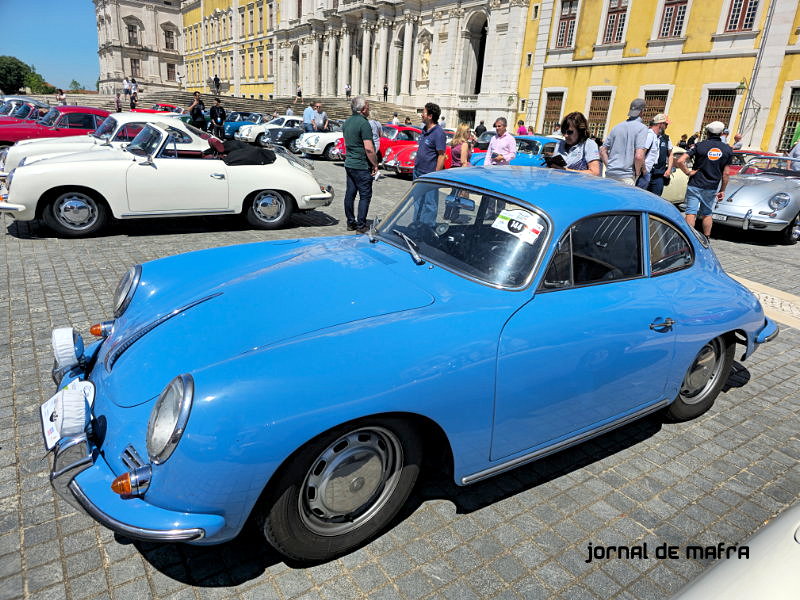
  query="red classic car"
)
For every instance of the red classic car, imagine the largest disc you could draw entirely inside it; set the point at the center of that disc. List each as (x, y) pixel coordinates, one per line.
(741, 156)
(401, 158)
(23, 111)
(392, 136)
(161, 108)
(60, 121)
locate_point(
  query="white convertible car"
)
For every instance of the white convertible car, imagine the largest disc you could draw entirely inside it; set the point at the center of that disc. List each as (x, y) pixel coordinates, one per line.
(77, 194)
(321, 143)
(255, 133)
(117, 130)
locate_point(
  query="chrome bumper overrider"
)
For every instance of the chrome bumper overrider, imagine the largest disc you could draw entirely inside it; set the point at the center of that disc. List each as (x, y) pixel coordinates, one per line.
(323, 199)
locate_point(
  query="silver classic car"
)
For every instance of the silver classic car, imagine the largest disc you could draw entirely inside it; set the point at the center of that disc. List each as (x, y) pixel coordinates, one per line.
(764, 195)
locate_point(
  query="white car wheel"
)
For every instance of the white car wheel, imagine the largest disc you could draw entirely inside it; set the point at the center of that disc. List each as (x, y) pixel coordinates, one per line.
(269, 209)
(74, 214)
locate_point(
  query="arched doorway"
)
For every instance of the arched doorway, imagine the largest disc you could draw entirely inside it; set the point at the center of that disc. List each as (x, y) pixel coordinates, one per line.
(398, 72)
(474, 53)
(295, 67)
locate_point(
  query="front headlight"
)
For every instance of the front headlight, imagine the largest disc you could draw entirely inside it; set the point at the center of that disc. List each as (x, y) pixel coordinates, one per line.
(3, 154)
(169, 417)
(779, 200)
(245, 130)
(126, 288)
(413, 156)
(313, 141)
(279, 135)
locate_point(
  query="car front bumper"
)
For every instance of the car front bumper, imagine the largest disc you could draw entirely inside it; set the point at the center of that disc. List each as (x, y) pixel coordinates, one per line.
(244, 137)
(741, 217)
(398, 167)
(309, 149)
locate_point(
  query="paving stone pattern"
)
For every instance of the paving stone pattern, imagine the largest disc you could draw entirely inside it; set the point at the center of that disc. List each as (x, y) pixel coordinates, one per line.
(520, 535)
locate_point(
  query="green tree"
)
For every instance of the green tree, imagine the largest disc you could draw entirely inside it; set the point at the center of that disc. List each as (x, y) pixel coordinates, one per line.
(75, 86)
(12, 74)
(37, 84)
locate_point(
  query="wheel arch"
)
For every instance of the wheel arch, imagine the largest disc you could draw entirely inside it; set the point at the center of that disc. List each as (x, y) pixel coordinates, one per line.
(53, 192)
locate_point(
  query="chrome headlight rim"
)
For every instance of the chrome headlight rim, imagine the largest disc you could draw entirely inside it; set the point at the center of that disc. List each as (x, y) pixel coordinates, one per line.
(181, 390)
(779, 201)
(126, 289)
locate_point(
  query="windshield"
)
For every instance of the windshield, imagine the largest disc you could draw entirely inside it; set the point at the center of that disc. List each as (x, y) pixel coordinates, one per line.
(23, 111)
(389, 132)
(485, 137)
(6, 108)
(50, 118)
(772, 165)
(106, 128)
(147, 142)
(472, 233)
(278, 121)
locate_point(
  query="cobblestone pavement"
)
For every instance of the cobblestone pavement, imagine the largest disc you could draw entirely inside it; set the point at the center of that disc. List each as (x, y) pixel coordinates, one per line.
(520, 535)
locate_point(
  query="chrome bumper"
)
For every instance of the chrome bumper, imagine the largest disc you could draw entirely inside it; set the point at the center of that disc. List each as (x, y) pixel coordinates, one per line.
(761, 221)
(324, 199)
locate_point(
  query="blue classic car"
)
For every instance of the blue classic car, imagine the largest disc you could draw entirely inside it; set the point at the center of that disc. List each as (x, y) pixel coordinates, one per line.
(531, 150)
(500, 313)
(237, 120)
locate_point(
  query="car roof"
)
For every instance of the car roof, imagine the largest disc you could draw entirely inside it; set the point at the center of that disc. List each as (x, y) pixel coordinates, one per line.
(545, 139)
(565, 195)
(82, 109)
(128, 117)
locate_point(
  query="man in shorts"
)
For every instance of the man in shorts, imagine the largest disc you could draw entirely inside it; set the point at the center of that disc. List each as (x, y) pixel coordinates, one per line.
(709, 176)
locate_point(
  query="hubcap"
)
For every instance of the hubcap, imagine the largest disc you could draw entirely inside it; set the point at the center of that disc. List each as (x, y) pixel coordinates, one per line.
(75, 211)
(268, 206)
(795, 232)
(703, 374)
(350, 481)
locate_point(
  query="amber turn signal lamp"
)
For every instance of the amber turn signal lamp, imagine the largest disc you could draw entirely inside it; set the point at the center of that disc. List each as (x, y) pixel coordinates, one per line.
(122, 485)
(96, 330)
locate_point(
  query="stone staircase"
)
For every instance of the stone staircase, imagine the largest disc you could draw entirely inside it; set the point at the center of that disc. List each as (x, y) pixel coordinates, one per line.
(336, 107)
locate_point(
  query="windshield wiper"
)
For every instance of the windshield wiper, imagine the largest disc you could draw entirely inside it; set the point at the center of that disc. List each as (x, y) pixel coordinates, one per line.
(412, 247)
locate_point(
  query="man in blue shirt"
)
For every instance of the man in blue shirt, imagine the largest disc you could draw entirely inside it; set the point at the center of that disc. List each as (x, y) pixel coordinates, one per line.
(308, 118)
(432, 143)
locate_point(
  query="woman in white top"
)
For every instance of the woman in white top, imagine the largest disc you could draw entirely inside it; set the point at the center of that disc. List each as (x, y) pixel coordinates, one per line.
(580, 153)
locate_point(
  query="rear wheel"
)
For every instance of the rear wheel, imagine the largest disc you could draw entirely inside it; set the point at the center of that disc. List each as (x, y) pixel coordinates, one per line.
(342, 488)
(330, 151)
(294, 145)
(268, 209)
(703, 381)
(75, 214)
(791, 233)
(260, 139)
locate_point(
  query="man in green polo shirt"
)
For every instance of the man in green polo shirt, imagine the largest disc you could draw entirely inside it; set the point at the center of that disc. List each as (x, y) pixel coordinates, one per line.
(360, 164)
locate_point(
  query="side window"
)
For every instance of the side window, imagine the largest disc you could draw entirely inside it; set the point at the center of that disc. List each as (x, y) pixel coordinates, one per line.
(597, 250)
(549, 149)
(98, 120)
(524, 146)
(178, 136)
(127, 132)
(669, 249)
(80, 121)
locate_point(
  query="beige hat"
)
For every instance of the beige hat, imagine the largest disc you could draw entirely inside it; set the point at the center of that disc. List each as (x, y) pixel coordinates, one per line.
(715, 127)
(659, 118)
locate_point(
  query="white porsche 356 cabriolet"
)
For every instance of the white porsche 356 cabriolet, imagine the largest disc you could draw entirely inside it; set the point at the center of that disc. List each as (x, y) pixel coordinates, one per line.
(153, 176)
(117, 130)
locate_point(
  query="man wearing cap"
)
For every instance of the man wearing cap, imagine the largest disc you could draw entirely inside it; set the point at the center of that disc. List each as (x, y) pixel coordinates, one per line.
(711, 157)
(661, 166)
(624, 148)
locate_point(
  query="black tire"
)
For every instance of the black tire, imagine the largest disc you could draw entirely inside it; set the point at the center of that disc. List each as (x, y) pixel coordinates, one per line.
(704, 380)
(260, 139)
(294, 146)
(313, 515)
(330, 151)
(75, 213)
(791, 233)
(268, 209)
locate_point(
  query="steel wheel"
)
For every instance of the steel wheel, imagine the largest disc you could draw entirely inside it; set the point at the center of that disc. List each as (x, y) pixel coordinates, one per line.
(350, 481)
(75, 213)
(330, 152)
(269, 209)
(294, 146)
(704, 380)
(792, 231)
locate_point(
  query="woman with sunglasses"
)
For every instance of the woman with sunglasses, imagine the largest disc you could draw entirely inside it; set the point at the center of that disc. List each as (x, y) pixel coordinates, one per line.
(580, 153)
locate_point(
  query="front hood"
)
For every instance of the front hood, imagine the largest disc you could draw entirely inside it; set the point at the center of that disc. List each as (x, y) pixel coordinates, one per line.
(267, 292)
(70, 139)
(752, 190)
(111, 154)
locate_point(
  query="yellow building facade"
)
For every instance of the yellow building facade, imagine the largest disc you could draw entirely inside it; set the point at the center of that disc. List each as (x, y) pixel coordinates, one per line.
(234, 40)
(735, 61)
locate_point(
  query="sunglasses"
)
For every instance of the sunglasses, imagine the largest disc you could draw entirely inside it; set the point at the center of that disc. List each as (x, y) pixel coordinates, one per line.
(497, 125)
(568, 132)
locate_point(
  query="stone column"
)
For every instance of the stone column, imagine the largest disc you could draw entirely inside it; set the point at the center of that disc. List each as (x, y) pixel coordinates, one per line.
(313, 78)
(344, 61)
(383, 51)
(330, 70)
(366, 53)
(408, 38)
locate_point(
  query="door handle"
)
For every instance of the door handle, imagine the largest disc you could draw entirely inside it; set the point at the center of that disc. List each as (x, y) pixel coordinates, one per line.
(218, 175)
(663, 325)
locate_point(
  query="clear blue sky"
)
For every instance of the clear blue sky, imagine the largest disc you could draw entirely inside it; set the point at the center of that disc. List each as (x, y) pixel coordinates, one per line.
(58, 37)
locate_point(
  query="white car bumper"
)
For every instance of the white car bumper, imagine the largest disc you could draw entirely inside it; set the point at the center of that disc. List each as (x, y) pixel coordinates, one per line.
(309, 149)
(316, 200)
(244, 137)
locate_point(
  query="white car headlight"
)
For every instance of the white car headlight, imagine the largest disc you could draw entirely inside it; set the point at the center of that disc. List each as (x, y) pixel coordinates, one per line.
(3, 154)
(126, 288)
(245, 130)
(313, 141)
(67, 347)
(779, 200)
(169, 417)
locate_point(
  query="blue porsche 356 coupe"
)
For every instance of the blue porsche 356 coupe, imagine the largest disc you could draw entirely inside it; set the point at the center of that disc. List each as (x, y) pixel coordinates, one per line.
(507, 313)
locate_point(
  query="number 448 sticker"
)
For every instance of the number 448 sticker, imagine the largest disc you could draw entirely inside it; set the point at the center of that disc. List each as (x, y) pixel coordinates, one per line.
(522, 224)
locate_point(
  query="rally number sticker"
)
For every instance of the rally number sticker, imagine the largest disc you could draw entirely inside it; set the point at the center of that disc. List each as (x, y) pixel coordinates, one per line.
(520, 223)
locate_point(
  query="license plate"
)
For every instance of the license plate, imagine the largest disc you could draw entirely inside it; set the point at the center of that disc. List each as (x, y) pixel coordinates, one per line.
(719, 217)
(49, 411)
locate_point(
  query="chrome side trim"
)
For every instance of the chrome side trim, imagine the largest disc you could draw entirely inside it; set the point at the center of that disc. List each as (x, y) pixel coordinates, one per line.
(541, 453)
(191, 213)
(121, 345)
(137, 533)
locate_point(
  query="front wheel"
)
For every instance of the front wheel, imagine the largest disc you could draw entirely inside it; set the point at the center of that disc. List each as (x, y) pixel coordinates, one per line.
(330, 152)
(268, 209)
(260, 139)
(294, 146)
(791, 233)
(703, 381)
(75, 214)
(342, 488)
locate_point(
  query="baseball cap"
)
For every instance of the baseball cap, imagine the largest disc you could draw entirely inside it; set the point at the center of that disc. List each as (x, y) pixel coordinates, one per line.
(659, 118)
(637, 106)
(715, 127)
